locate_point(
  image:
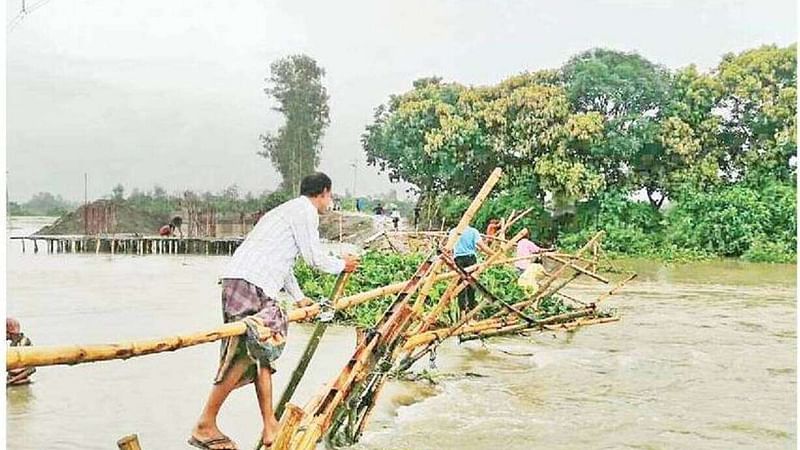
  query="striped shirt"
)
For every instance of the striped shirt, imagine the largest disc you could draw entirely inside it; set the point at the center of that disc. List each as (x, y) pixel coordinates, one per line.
(266, 257)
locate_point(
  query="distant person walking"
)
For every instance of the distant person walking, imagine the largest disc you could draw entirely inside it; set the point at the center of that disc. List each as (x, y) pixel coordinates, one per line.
(396, 219)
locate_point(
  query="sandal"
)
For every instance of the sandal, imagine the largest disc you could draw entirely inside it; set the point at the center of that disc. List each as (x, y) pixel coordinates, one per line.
(207, 444)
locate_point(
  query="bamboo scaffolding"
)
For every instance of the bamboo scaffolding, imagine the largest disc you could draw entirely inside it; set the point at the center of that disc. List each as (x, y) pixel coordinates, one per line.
(456, 234)
(375, 349)
(589, 310)
(351, 395)
(507, 224)
(458, 285)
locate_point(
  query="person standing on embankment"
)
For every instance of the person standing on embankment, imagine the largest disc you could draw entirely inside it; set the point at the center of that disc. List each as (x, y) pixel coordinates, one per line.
(259, 268)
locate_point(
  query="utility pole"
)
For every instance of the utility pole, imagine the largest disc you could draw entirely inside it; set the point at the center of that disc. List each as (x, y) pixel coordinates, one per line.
(355, 168)
(85, 203)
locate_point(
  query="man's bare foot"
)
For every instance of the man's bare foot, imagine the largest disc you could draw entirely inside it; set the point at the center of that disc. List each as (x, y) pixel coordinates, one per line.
(270, 433)
(208, 436)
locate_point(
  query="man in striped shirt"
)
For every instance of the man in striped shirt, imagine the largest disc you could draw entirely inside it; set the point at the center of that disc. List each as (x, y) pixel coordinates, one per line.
(259, 269)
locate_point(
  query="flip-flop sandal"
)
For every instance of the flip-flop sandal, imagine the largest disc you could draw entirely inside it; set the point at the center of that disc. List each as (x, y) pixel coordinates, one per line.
(207, 444)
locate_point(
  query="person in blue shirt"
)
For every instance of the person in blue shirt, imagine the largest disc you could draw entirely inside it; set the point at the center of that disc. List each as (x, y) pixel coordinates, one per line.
(466, 254)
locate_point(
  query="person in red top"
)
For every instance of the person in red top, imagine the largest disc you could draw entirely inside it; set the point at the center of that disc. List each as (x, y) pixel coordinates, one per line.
(166, 230)
(492, 228)
(169, 229)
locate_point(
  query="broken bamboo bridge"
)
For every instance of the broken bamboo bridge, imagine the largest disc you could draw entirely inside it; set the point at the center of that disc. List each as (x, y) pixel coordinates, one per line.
(411, 327)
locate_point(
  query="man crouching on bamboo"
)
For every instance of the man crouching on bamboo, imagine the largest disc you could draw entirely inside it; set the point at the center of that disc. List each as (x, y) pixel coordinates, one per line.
(260, 267)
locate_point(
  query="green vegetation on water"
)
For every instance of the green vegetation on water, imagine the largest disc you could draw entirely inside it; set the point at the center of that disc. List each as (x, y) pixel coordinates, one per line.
(379, 269)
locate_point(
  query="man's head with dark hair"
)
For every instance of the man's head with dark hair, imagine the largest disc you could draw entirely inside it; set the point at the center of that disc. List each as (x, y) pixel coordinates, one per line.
(317, 187)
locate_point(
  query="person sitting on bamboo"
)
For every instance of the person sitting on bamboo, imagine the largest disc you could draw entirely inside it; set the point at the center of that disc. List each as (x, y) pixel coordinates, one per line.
(16, 338)
(259, 268)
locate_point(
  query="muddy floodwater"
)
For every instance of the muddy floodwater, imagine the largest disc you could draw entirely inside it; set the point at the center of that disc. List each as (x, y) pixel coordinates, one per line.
(704, 357)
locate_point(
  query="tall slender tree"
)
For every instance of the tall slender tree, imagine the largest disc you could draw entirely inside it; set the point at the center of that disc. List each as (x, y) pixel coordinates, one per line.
(295, 83)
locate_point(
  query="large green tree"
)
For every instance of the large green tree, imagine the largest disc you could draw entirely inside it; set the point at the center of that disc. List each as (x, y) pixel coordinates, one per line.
(629, 92)
(759, 105)
(605, 126)
(295, 83)
(446, 138)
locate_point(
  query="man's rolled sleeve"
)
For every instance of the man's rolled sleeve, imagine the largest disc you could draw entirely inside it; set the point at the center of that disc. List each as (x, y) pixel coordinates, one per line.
(306, 231)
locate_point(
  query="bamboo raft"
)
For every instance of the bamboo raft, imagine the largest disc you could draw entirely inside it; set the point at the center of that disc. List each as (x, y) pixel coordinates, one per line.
(129, 244)
(410, 328)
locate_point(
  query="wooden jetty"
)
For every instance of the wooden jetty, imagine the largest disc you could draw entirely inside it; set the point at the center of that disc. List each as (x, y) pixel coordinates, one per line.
(129, 244)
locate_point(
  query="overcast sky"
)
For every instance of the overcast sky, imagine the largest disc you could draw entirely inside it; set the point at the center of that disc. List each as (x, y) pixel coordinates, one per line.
(171, 92)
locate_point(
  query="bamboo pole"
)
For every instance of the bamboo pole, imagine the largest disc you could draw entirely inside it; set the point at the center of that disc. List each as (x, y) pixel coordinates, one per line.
(459, 285)
(35, 356)
(615, 289)
(311, 348)
(391, 289)
(524, 326)
(580, 269)
(456, 234)
(290, 421)
(569, 326)
(506, 225)
(129, 442)
(543, 288)
(432, 335)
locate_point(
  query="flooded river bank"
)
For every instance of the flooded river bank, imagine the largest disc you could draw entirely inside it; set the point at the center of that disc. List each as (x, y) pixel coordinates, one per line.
(704, 357)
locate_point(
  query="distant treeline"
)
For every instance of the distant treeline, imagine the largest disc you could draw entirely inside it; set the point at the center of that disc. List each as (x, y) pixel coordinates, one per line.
(157, 201)
(41, 204)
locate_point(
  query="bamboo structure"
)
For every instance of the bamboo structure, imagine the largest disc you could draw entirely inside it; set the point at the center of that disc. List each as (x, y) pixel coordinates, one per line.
(341, 410)
(311, 348)
(350, 396)
(132, 244)
(130, 442)
(466, 219)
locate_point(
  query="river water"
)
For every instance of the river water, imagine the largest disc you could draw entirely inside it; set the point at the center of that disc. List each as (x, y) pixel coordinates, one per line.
(704, 357)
